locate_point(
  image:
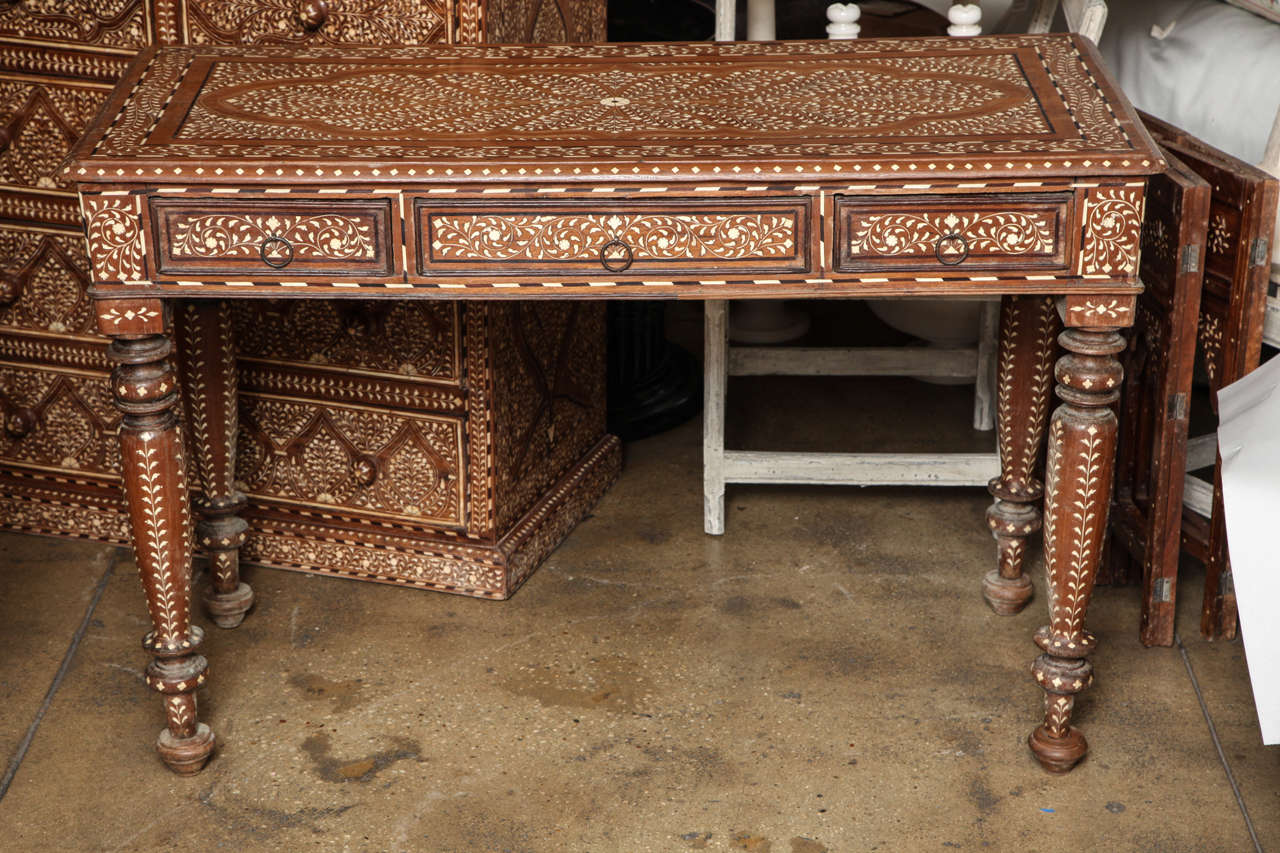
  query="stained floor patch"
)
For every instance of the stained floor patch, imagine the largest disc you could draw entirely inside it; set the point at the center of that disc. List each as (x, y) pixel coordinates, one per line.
(343, 694)
(333, 769)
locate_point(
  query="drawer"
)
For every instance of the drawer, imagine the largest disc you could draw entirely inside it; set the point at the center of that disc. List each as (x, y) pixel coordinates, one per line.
(604, 237)
(318, 22)
(44, 281)
(382, 461)
(315, 237)
(58, 419)
(418, 340)
(957, 233)
(120, 24)
(39, 122)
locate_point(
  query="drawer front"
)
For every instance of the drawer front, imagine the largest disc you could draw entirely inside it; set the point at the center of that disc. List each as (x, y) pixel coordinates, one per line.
(120, 24)
(633, 238)
(39, 122)
(44, 282)
(419, 341)
(353, 458)
(316, 22)
(956, 233)
(316, 237)
(58, 419)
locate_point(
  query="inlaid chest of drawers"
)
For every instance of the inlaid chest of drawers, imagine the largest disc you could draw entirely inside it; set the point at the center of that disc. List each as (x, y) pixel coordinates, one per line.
(924, 167)
(341, 459)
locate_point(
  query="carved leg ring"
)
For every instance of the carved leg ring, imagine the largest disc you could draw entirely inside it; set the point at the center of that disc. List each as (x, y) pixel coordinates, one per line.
(145, 390)
(1078, 480)
(208, 365)
(1028, 328)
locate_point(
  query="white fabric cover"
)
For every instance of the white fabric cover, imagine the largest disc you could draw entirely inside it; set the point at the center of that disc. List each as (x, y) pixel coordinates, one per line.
(1265, 8)
(1215, 73)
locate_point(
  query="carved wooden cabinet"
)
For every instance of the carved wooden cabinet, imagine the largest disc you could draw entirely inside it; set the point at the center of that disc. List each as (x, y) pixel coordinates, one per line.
(384, 418)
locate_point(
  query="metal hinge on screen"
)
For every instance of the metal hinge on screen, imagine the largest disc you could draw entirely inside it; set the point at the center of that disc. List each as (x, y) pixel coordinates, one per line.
(1259, 252)
(1177, 410)
(1162, 590)
(1190, 259)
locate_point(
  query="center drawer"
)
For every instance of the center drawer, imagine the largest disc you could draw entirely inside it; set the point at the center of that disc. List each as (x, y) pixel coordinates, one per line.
(959, 233)
(319, 237)
(608, 237)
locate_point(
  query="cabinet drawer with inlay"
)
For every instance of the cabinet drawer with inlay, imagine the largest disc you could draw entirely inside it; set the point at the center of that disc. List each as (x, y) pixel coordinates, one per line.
(957, 233)
(397, 464)
(311, 237)
(613, 237)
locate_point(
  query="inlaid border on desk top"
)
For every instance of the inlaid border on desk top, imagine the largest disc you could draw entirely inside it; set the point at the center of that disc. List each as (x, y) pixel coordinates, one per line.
(1080, 125)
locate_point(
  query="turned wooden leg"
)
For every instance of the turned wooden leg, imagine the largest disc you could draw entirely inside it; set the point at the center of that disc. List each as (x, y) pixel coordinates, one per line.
(1078, 480)
(207, 362)
(145, 390)
(1028, 329)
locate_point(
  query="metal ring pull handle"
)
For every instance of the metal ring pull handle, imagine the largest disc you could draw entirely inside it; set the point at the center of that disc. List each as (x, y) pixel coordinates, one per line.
(954, 260)
(287, 251)
(616, 264)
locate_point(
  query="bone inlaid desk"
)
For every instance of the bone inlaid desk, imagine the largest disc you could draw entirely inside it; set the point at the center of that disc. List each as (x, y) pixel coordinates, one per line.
(701, 171)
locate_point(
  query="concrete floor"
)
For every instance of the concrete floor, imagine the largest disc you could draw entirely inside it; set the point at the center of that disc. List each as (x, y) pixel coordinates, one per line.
(825, 677)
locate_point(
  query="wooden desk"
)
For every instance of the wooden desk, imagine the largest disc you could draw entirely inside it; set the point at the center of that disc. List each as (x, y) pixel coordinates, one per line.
(702, 171)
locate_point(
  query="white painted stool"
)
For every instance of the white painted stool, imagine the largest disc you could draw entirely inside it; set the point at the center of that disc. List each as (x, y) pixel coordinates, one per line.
(977, 364)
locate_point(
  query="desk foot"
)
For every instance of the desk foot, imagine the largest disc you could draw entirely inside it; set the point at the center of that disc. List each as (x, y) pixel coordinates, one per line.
(227, 599)
(1058, 754)
(1078, 475)
(186, 756)
(207, 361)
(1028, 328)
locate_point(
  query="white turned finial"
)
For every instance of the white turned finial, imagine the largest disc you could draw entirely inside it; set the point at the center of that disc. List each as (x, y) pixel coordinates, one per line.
(844, 21)
(964, 18)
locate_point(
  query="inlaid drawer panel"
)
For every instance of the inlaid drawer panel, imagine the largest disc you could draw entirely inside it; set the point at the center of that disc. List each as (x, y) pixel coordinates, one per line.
(940, 233)
(39, 122)
(354, 22)
(418, 341)
(316, 237)
(119, 24)
(44, 281)
(600, 237)
(59, 419)
(377, 460)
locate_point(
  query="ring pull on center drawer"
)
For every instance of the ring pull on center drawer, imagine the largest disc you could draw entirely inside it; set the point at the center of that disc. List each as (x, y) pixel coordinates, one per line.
(636, 237)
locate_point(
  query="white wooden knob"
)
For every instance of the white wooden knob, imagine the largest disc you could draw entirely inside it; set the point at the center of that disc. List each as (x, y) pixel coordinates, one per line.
(844, 21)
(965, 18)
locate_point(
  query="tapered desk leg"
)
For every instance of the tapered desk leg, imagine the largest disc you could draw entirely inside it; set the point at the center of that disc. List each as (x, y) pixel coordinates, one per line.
(207, 361)
(146, 391)
(1028, 330)
(1078, 480)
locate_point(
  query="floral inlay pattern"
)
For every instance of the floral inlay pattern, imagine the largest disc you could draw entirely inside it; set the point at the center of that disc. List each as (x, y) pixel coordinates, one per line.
(1210, 335)
(438, 102)
(114, 237)
(578, 237)
(323, 237)
(1219, 234)
(1112, 230)
(1012, 233)
(348, 22)
(917, 121)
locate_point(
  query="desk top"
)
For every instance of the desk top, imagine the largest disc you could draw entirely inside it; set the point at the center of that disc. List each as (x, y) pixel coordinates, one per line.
(1026, 106)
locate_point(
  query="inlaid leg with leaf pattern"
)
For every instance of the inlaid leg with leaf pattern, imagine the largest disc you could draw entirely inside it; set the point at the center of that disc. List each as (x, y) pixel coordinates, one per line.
(146, 391)
(1078, 479)
(207, 361)
(1028, 343)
